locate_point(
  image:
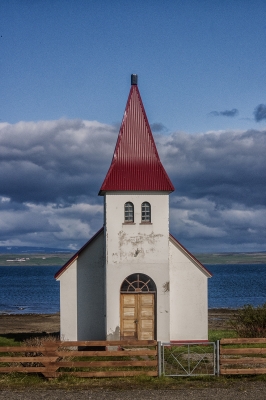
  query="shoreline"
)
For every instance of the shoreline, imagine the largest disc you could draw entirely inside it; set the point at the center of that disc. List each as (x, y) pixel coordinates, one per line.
(22, 325)
(214, 309)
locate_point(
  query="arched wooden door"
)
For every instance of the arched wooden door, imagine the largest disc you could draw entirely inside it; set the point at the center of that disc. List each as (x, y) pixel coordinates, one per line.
(137, 308)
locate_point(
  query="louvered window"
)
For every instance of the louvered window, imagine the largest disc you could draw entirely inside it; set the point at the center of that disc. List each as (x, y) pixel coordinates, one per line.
(145, 212)
(129, 212)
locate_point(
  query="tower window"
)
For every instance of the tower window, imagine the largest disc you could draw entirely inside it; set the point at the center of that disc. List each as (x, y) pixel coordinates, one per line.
(145, 212)
(129, 212)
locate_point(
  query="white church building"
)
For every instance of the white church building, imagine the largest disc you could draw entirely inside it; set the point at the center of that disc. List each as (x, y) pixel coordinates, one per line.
(133, 279)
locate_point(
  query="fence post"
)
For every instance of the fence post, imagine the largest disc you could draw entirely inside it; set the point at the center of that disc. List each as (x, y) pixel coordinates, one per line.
(218, 357)
(159, 358)
(50, 350)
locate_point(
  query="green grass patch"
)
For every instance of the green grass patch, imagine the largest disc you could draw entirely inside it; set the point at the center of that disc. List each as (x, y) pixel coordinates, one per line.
(218, 334)
(4, 341)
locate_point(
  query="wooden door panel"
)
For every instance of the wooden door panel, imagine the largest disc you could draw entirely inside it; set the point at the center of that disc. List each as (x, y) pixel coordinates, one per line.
(137, 316)
(146, 336)
(129, 325)
(147, 299)
(128, 312)
(146, 317)
(129, 299)
(146, 313)
(146, 324)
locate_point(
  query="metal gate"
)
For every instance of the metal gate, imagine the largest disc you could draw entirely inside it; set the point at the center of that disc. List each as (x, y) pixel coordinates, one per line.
(188, 359)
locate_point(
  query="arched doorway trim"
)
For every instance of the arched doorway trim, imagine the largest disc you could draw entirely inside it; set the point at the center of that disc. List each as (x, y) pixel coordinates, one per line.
(138, 283)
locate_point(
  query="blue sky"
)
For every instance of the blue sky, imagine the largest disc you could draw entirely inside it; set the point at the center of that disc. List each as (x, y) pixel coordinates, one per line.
(202, 77)
(73, 59)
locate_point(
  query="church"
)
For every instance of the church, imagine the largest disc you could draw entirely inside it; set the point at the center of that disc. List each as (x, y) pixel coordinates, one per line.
(133, 279)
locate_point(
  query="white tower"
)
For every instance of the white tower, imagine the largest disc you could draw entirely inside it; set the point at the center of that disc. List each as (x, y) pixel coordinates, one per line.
(136, 191)
(132, 279)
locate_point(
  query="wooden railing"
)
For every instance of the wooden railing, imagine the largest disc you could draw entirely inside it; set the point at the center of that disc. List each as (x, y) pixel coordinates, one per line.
(54, 359)
(242, 356)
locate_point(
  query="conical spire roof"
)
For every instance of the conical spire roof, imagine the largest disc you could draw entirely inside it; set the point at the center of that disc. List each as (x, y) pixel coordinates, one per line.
(136, 165)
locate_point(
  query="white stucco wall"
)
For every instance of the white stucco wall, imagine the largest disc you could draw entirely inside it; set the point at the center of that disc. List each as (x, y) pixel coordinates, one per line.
(68, 303)
(91, 291)
(188, 298)
(82, 295)
(136, 248)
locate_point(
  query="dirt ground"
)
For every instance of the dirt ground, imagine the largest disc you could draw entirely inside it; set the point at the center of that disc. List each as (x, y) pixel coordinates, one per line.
(219, 318)
(37, 324)
(22, 326)
(250, 391)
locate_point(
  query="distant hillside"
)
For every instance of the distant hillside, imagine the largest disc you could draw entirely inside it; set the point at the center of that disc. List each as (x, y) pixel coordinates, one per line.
(58, 257)
(232, 258)
(32, 250)
(42, 259)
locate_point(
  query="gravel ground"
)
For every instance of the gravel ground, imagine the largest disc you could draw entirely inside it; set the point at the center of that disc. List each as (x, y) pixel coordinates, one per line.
(251, 391)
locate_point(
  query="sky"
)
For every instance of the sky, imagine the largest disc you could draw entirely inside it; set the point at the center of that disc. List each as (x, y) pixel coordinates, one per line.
(65, 71)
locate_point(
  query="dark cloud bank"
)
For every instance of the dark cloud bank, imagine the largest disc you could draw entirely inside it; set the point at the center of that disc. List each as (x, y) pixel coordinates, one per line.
(226, 113)
(260, 112)
(51, 172)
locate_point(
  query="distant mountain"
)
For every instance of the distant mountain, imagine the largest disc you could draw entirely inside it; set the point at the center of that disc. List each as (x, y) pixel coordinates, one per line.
(32, 250)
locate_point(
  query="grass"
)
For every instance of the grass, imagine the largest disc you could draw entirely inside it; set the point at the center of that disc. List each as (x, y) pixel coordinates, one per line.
(221, 334)
(5, 341)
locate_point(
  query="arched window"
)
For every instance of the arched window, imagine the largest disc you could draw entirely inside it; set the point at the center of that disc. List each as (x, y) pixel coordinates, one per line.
(138, 283)
(129, 212)
(145, 212)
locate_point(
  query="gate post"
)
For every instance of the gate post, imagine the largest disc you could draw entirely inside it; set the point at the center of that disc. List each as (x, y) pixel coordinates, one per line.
(159, 358)
(218, 357)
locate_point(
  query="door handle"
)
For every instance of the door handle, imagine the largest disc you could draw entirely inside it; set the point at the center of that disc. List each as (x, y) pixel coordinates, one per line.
(136, 321)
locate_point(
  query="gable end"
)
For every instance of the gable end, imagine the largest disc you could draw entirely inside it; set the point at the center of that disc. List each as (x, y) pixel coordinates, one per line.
(76, 255)
(190, 256)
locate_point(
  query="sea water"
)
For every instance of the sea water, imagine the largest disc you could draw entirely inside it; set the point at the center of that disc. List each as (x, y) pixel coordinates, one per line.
(235, 285)
(25, 289)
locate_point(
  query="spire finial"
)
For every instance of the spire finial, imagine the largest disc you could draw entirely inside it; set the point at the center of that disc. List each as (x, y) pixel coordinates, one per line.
(134, 79)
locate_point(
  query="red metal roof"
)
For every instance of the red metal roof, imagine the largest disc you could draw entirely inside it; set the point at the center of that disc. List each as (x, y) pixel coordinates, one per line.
(136, 164)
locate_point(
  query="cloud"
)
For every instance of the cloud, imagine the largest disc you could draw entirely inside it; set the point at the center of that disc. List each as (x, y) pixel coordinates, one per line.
(51, 160)
(158, 127)
(51, 172)
(226, 113)
(219, 201)
(260, 112)
(203, 225)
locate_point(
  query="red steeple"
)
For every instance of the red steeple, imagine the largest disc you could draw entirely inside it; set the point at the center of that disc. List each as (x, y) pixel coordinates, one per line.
(136, 165)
